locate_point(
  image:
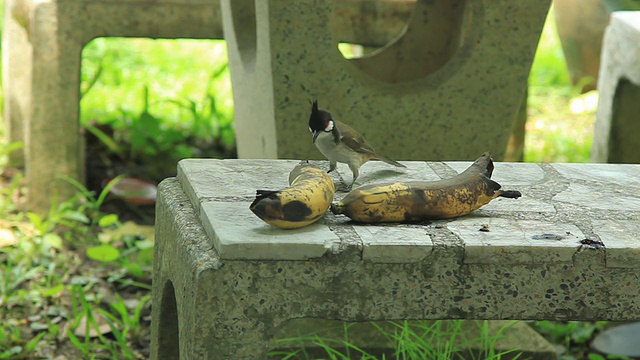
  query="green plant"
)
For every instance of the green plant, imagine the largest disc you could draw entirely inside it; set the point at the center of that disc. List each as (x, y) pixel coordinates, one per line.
(330, 346)
(89, 203)
(13, 345)
(129, 323)
(185, 112)
(549, 68)
(574, 335)
(83, 313)
(411, 340)
(124, 327)
(8, 194)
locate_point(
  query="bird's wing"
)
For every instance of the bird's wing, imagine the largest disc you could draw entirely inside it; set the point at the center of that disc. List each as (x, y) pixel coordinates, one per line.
(356, 143)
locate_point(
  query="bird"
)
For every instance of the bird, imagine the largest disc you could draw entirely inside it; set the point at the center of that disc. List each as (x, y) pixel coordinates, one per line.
(339, 142)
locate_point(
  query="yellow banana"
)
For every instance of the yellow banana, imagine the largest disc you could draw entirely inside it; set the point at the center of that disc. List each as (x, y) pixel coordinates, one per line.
(423, 200)
(306, 200)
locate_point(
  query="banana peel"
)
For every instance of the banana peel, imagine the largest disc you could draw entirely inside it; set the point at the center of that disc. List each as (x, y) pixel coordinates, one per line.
(305, 201)
(424, 200)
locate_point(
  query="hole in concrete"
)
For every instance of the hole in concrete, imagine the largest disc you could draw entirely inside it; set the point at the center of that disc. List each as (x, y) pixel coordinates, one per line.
(168, 332)
(371, 24)
(429, 35)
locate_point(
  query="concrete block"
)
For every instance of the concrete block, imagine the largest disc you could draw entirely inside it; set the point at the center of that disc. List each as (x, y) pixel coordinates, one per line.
(224, 284)
(442, 90)
(617, 126)
(16, 72)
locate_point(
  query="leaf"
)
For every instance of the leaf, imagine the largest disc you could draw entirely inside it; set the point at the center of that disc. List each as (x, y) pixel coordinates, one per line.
(144, 244)
(11, 352)
(593, 356)
(105, 140)
(150, 124)
(6, 149)
(108, 220)
(31, 345)
(53, 240)
(131, 228)
(35, 219)
(99, 327)
(76, 216)
(104, 253)
(52, 290)
(107, 189)
(38, 326)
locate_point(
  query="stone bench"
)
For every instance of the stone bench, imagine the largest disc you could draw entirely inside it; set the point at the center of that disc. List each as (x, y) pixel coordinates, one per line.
(224, 282)
(617, 126)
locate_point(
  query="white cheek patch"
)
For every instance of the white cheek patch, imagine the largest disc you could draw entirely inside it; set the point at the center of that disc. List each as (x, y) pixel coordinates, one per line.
(329, 126)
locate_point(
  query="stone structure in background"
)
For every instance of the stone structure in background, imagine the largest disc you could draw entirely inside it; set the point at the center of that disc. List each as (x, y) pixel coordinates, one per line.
(42, 42)
(448, 87)
(580, 25)
(617, 127)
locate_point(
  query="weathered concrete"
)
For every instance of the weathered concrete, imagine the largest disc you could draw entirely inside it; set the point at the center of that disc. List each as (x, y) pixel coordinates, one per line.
(42, 43)
(617, 126)
(445, 89)
(16, 70)
(541, 257)
(580, 26)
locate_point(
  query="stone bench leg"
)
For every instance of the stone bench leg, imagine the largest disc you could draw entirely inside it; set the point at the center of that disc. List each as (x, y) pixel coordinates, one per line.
(444, 99)
(16, 73)
(52, 134)
(617, 126)
(186, 292)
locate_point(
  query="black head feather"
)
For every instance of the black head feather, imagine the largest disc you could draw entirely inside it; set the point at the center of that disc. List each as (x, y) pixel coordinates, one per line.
(319, 118)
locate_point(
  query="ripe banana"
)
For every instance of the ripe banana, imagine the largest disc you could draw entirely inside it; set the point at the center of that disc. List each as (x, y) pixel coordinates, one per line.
(306, 200)
(423, 200)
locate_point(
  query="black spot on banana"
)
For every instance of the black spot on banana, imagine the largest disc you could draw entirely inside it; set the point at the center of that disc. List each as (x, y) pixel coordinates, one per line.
(424, 200)
(306, 200)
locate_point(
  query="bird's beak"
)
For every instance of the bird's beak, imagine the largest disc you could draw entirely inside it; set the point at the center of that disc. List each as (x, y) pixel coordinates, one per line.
(315, 136)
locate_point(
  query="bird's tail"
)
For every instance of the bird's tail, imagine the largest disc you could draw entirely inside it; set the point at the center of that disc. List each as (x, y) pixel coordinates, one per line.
(388, 161)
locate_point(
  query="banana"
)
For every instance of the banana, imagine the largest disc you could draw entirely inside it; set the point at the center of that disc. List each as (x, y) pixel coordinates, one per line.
(306, 200)
(423, 200)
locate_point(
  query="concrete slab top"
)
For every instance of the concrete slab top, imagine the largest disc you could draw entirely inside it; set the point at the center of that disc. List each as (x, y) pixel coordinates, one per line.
(629, 18)
(565, 210)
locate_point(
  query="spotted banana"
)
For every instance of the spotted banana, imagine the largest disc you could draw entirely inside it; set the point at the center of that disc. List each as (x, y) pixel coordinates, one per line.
(423, 200)
(306, 200)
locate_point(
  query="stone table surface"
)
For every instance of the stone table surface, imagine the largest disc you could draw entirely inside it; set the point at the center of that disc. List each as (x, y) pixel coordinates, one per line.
(564, 209)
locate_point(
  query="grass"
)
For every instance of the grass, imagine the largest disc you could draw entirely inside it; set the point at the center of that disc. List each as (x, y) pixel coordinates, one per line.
(148, 126)
(75, 283)
(560, 120)
(438, 340)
